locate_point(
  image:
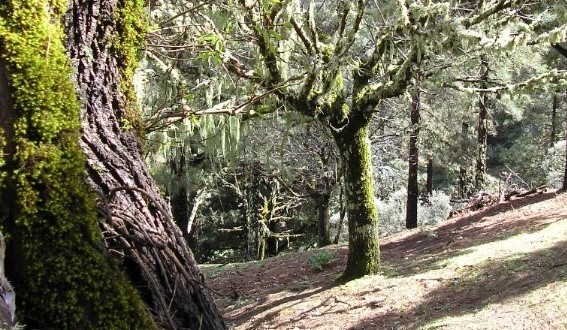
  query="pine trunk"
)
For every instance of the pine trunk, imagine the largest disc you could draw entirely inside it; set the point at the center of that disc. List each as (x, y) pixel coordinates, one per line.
(413, 159)
(354, 148)
(138, 223)
(482, 131)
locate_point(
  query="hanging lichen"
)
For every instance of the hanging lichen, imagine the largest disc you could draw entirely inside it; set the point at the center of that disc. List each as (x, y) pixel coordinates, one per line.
(56, 262)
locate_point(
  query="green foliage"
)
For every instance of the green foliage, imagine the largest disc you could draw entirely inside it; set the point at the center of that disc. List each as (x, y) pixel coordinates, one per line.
(61, 275)
(321, 259)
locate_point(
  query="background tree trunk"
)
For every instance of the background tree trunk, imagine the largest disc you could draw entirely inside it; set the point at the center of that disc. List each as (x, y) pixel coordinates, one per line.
(413, 162)
(429, 181)
(463, 176)
(482, 132)
(323, 216)
(342, 209)
(564, 186)
(253, 213)
(363, 250)
(553, 119)
(138, 224)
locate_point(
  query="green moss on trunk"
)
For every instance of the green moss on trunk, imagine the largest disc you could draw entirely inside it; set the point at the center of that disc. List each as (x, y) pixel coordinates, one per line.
(364, 250)
(131, 19)
(55, 257)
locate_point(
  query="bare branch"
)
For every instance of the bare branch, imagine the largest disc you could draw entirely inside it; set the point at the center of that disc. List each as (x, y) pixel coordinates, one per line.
(312, 26)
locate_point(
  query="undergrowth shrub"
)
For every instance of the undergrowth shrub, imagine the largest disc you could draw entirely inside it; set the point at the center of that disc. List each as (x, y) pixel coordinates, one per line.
(436, 211)
(321, 259)
(392, 212)
(553, 165)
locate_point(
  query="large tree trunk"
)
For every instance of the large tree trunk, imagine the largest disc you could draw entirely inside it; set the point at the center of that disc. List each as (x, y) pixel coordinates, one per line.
(354, 148)
(413, 162)
(55, 258)
(138, 223)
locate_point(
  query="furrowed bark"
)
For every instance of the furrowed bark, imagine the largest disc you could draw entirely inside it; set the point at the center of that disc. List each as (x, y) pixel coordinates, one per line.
(138, 225)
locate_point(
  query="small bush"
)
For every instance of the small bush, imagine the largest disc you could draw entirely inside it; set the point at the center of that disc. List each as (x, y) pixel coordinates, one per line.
(553, 165)
(392, 212)
(436, 210)
(321, 259)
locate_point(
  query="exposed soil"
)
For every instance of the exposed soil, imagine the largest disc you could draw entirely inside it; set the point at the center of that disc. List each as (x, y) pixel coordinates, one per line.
(503, 267)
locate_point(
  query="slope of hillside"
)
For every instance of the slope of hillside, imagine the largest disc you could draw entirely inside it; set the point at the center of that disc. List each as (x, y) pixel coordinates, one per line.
(504, 267)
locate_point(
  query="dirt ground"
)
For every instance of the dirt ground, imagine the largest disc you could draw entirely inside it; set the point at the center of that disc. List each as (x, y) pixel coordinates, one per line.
(503, 267)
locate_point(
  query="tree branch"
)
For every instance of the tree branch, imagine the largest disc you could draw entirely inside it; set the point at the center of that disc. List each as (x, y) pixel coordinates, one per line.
(498, 6)
(560, 49)
(299, 30)
(343, 45)
(548, 77)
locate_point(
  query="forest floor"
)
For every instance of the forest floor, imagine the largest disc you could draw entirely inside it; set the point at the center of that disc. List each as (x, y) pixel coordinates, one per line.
(502, 267)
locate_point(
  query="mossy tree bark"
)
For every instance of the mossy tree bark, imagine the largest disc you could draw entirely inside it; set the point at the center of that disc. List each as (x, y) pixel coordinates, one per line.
(55, 257)
(354, 148)
(102, 41)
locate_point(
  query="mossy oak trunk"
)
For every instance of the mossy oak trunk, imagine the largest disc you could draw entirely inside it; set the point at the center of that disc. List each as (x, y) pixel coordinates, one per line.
(354, 147)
